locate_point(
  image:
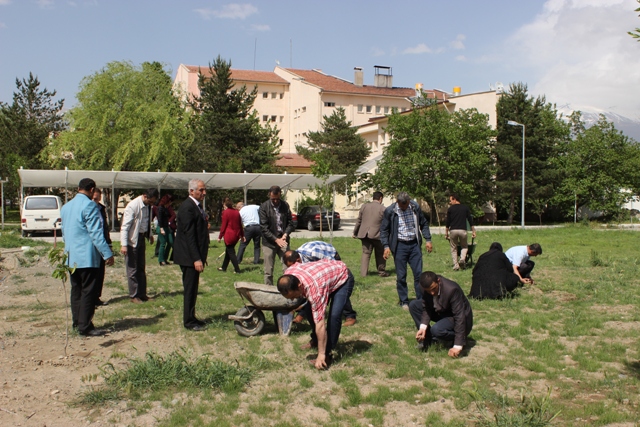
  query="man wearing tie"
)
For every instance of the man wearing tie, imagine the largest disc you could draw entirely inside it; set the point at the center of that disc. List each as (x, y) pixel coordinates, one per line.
(190, 248)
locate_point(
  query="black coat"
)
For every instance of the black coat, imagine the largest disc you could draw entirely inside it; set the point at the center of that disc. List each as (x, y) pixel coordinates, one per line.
(192, 235)
(268, 225)
(492, 276)
(451, 303)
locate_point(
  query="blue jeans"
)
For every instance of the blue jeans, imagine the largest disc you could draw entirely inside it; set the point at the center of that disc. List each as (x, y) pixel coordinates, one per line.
(408, 253)
(441, 330)
(337, 301)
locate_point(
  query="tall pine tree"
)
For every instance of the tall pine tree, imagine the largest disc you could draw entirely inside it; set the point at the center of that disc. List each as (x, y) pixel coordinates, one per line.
(228, 136)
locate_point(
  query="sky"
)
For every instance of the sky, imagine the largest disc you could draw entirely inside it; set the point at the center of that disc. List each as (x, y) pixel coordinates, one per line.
(574, 52)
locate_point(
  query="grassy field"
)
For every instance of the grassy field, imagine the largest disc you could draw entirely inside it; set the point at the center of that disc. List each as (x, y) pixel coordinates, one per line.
(562, 352)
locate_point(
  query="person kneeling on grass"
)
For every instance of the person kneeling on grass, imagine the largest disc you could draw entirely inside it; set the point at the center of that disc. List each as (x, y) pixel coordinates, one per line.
(444, 303)
(321, 282)
(519, 256)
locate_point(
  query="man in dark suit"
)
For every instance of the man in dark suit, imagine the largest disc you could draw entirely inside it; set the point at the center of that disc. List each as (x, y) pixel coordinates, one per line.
(444, 303)
(367, 229)
(97, 196)
(191, 247)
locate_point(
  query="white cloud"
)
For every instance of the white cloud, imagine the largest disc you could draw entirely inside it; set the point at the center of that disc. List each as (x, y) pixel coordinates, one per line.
(5, 2)
(229, 11)
(260, 27)
(458, 43)
(461, 58)
(45, 4)
(376, 51)
(419, 49)
(580, 53)
(3, 25)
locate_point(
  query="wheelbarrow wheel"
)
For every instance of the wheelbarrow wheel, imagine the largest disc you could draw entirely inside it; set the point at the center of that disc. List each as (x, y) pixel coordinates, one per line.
(252, 326)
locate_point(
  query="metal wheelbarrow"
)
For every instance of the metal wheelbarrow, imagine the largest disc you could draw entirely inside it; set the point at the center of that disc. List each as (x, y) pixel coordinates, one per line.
(250, 320)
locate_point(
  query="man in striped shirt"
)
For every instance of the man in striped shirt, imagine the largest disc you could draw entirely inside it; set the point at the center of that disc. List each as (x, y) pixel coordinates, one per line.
(323, 283)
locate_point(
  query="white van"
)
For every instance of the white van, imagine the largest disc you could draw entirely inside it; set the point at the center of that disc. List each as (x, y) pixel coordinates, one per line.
(41, 213)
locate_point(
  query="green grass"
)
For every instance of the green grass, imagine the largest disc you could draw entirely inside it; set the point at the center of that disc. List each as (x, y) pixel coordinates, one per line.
(574, 335)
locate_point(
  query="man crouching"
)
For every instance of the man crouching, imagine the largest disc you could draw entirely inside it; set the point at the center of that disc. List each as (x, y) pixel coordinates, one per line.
(444, 303)
(321, 283)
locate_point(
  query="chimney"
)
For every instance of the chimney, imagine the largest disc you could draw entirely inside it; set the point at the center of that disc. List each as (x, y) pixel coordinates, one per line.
(358, 78)
(457, 90)
(383, 76)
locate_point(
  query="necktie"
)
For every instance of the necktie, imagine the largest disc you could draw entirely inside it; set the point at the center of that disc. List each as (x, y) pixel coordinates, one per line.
(202, 212)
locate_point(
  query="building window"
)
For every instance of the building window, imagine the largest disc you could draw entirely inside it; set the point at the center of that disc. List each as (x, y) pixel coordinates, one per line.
(281, 142)
(386, 110)
(273, 118)
(281, 119)
(369, 109)
(329, 104)
(378, 109)
(265, 118)
(265, 95)
(360, 108)
(304, 109)
(281, 95)
(273, 95)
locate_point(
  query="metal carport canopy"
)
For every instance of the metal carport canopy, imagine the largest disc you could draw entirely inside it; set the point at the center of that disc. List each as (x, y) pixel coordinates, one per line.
(171, 180)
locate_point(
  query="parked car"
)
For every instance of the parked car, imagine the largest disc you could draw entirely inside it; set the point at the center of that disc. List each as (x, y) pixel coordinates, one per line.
(41, 214)
(294, 219)
(309, 217)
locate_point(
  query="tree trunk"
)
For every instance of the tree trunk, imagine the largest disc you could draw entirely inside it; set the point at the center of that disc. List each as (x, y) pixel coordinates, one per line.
(511, 209)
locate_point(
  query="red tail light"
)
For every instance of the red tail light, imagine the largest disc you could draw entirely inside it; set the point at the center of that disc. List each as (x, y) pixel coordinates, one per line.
(24, 220)
(317, 216)
(337, 215)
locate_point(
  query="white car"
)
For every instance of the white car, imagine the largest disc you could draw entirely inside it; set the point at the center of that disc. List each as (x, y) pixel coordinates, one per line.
(41, 214)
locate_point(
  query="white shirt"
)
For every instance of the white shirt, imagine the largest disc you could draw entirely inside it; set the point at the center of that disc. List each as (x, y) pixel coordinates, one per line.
(135, 220)
(517, 255)
(250, 215)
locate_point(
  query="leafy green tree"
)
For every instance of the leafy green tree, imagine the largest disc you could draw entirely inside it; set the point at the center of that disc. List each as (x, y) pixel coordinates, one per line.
(636, 33)
(545, 131)
(433, 152)
(598, 164)
(127, 118)
(26, 128)
(337, 146)
(228, 136)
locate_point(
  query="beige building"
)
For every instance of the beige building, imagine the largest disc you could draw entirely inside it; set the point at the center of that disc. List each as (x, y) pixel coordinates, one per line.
(296, 100)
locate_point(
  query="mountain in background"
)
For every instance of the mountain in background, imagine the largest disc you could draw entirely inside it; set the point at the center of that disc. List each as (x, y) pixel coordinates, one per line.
(630, 127)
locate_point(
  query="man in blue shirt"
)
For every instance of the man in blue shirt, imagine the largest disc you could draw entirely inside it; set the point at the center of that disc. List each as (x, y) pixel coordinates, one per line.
(85, 245)
(522, 265)
(250, 215)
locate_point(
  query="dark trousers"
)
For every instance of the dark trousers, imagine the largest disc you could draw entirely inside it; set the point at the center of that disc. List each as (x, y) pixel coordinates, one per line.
(441, 330)
(230, 255)
(408, 253)
(336, 304)
(165, 243)
(84, 285)
(369, 246)
(190, 279)
(136, 276)
(251, 232)
(100, 278)
(526, 268)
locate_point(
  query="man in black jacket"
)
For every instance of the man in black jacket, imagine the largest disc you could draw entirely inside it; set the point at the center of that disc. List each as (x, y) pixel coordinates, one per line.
(97, 196)
(444, 303)
(191, 247)
(276, 225)
(458, 215)
(401, 232)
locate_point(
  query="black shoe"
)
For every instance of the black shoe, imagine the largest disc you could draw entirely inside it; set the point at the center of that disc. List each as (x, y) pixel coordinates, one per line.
(197, 328)
(201, 322)
(101, 303)
(94, 333)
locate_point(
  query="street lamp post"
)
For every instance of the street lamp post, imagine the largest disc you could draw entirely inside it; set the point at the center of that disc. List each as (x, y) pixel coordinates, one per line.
(513, 123)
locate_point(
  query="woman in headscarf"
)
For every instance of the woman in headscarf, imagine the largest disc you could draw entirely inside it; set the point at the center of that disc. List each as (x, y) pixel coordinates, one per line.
(493, 275)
